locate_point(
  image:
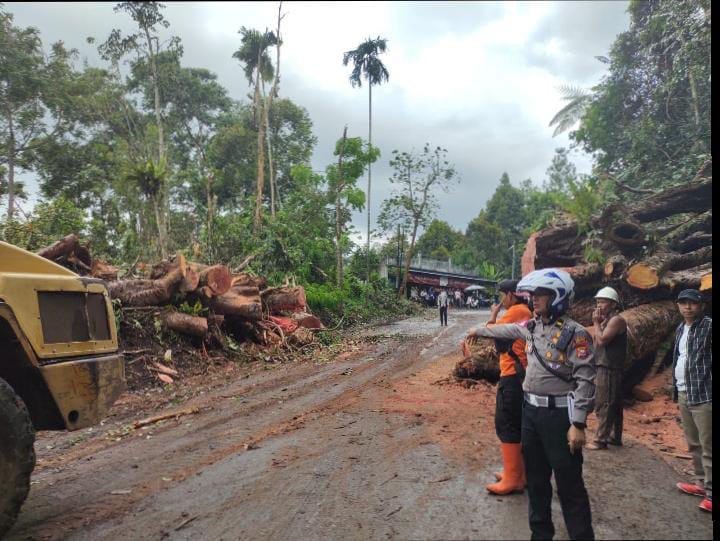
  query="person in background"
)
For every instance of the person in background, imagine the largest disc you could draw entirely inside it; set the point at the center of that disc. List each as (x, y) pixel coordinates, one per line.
(610, 352)
(442, 302)
(458, 299)
(692, 388)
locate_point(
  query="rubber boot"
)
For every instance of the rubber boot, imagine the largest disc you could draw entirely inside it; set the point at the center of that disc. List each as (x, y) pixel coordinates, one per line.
(499, 475)
(513, 472)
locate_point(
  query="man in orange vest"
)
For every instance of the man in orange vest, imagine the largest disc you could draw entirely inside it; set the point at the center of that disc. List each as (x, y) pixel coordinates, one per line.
(509, 400)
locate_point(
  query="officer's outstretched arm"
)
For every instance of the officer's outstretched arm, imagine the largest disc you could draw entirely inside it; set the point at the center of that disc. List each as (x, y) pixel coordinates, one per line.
(508, 331)
(582, 356)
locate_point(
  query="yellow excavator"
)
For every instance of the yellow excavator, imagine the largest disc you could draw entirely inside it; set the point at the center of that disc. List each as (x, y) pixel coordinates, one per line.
(60, 368)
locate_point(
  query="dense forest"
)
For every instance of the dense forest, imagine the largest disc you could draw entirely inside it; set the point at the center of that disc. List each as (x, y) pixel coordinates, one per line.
(144, 156)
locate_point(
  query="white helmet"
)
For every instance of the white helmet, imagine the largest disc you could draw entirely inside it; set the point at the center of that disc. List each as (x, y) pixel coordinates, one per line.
(555, 280)
(608, 293)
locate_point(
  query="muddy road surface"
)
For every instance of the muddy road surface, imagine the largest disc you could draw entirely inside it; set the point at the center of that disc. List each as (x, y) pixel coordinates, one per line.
(375, 444)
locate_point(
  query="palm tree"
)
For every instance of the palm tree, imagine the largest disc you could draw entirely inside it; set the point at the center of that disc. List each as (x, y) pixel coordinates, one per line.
(258, 68)
(578, 100)
(367, 64)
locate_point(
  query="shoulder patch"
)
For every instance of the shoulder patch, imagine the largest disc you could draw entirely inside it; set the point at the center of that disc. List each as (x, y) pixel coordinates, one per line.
(582, 352)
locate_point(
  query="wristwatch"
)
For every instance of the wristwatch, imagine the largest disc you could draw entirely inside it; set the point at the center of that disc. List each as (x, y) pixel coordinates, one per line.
(581, 426)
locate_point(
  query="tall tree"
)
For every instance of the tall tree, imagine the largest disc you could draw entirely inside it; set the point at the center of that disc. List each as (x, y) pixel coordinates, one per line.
(649, 120)
(367, 64)
(342, 184)
(413, 204)
(258, 69)
(22, 83)
(145, 43)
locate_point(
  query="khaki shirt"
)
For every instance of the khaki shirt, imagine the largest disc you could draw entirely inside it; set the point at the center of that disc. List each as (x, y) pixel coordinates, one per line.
(577, 361)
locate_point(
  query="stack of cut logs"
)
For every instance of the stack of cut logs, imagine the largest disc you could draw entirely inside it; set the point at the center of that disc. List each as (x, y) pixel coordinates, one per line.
(648, 250)
(236, 302)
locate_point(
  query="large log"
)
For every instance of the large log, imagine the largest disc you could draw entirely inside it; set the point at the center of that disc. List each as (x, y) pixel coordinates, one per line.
(689, 197)
(245, 279)
(558, 246)
(216, 280)
(686, 279)
(647, 326)
(284, 299)
(185, 324)
(700, 223)
(60, 248)
(581, 310)
(706, 282)
(104, 271)
(615, 267)
(646, 274)
(146, 292)
(240, 301)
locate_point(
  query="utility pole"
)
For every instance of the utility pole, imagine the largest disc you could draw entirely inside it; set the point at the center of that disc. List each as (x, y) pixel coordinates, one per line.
(513, 260)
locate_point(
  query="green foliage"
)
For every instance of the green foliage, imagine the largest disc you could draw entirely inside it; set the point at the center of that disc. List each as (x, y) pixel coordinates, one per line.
(650, 117)
(584, 200)
(357, 302)
(196, 309)
(49, 222)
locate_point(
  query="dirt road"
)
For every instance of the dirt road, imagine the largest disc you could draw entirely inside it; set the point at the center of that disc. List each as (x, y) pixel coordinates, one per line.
(371, 445)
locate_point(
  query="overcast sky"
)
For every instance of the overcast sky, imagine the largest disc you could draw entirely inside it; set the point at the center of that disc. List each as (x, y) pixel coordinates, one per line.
(480, 79)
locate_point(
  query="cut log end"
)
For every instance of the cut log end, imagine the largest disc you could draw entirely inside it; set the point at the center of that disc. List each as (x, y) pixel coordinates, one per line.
(706, 282)
(643, 276)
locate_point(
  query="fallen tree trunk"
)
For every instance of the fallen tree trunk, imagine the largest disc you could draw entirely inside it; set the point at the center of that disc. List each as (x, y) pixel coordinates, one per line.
(146, 292)
(687, 197)
(60, 248)
(240, 301)
(104, 271)
(701, 223)
(185, 324)
(646, 274)
(686, 279)
(282, 299)
(647, 326)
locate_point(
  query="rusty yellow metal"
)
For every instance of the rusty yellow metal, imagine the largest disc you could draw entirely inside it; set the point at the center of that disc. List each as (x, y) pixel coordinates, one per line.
(88, 376)
(22, 276)
(85, 389)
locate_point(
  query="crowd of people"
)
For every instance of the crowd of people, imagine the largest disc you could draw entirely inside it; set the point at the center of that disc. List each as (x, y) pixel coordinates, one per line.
(554, 373)
(457, 298)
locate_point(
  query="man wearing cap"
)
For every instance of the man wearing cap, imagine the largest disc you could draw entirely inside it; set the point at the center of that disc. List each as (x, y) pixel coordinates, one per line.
(559, 391)
(509, 398)
(610, 352)
(692, 388)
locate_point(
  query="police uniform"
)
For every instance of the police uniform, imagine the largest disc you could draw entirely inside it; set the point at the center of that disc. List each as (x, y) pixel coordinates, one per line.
(559, 386)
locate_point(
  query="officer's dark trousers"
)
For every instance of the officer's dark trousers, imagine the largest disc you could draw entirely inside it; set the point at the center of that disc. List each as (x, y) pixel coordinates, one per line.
(443, 315)
(545, 451)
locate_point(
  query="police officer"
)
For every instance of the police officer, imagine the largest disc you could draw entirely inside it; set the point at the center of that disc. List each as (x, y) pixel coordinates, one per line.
(559, 393)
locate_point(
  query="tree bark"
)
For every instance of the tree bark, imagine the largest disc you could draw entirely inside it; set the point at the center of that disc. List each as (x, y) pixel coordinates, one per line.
(146, 292)
(185, 324)
(367, 247)
(693, 197)
(686, 279)
(240, 301)
(481, 363)
(338, 212)
(282, 299)
(647, 327)
(60, 248)
(615, 267)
